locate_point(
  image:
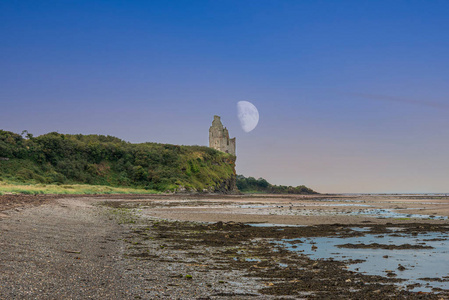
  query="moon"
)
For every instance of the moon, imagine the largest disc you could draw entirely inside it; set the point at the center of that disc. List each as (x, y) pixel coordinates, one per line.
(248, 115)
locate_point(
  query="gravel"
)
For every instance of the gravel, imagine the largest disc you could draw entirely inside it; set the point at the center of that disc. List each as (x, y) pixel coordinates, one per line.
(71, 249)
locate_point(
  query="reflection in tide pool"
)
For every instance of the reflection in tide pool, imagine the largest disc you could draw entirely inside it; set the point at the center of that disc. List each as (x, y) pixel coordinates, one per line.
(418, 263)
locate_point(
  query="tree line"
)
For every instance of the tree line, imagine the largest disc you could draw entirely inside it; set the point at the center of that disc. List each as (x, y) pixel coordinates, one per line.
(251, 184)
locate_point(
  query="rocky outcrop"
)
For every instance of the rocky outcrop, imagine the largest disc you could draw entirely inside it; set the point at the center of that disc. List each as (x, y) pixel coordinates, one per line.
(227, 186)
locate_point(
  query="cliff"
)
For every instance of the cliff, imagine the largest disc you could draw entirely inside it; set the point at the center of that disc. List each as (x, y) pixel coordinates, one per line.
(105, 160)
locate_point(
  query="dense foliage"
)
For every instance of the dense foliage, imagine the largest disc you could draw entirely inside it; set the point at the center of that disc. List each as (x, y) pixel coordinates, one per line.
(107, 160)
(250, 184)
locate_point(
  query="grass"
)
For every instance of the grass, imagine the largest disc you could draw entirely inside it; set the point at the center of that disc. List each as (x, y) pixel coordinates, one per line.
(74, 189)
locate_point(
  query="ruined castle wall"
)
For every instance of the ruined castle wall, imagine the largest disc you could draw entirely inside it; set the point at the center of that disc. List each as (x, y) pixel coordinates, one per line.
(219, 137)
(232, 146)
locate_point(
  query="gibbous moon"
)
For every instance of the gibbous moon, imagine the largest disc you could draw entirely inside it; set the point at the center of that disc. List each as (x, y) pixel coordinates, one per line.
(248, 115)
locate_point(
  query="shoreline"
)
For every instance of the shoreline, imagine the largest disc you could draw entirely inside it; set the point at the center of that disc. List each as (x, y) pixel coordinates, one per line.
(137, 246)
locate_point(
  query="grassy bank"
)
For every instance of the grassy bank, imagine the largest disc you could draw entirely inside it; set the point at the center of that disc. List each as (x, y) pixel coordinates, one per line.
(75, 189)
(81, 162)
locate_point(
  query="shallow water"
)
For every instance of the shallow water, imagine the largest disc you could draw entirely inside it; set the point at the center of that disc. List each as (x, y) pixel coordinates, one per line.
(418, 263)
(388, 213)
(364, 211)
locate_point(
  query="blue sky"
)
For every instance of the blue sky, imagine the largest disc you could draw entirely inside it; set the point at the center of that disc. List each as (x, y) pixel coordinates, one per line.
(352, 95)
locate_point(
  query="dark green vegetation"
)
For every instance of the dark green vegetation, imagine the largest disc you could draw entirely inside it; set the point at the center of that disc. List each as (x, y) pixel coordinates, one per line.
(106, 160)
(260, 185)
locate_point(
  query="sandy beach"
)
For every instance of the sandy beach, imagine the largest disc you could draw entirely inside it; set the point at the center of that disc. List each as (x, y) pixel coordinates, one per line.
(204, 246)
(296, 209)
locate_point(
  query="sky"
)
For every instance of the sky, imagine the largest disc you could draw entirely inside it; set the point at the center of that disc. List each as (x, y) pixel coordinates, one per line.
(352, 95)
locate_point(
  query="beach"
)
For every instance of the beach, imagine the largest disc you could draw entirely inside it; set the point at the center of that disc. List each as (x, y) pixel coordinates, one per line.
(214, 246)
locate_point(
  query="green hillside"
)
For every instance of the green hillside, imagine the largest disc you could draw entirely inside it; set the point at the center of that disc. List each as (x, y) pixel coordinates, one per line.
(105, 160)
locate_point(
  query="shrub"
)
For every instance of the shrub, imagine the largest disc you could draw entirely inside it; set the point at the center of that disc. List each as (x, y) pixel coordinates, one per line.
(251, 184)
(96, 159)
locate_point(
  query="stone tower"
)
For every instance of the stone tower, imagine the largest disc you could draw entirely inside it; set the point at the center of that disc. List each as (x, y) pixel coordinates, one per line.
(219, 137)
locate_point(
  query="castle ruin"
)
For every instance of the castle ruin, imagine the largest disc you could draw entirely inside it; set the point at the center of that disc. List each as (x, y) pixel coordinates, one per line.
(219, 137)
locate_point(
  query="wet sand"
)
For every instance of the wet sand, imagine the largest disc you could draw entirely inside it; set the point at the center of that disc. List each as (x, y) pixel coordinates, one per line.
(152, 246)
(299, 210)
